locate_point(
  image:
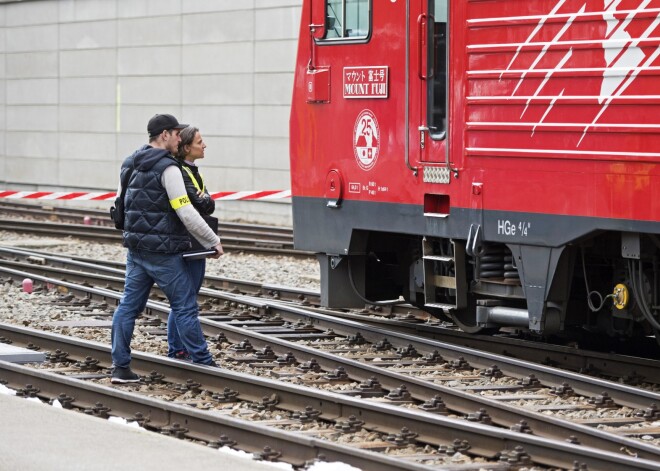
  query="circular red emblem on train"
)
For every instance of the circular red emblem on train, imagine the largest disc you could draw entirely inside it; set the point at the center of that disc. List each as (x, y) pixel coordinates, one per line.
(366, 140)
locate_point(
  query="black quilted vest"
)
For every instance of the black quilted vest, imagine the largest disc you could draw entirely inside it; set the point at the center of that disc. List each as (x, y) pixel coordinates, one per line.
(151, 223)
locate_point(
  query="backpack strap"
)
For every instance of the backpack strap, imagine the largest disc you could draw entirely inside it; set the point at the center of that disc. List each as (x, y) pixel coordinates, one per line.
(125, 178)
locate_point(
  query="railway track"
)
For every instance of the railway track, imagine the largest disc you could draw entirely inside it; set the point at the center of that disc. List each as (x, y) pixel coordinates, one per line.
(206, 400)
(631, 370)
(477, 387)
(95, 225)
(217, 407)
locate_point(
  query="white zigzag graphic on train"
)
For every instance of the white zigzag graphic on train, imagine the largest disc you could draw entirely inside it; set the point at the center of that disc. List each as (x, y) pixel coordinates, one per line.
(624, 63)
(622, 44)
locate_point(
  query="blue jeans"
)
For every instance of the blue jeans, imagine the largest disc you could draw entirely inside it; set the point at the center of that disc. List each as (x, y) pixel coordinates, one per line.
(196, 270)
(170, 273)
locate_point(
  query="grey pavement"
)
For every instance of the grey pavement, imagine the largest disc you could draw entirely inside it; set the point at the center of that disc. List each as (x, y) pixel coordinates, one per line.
(37, 437)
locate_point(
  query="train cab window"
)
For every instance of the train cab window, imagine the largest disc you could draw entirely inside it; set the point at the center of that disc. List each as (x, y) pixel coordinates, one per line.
(437, 65)
(347, 19)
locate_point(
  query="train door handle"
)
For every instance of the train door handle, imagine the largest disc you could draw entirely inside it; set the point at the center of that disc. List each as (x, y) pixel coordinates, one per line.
(422, 38)
(422, 135)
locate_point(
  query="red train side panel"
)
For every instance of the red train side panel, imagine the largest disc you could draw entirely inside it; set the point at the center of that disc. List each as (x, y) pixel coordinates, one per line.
(496, 161)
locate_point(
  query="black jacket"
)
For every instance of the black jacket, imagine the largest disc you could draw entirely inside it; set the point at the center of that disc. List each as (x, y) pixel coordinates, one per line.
(205, 206)
(151, 222)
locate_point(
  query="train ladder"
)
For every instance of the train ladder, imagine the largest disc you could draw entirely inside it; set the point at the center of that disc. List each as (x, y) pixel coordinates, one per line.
(445, 285)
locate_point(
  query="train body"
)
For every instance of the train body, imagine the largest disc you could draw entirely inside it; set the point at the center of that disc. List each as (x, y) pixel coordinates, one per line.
(492, 161)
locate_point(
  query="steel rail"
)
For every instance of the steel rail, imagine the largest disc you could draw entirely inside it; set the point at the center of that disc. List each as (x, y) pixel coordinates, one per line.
(110, 234)
(501, 413)
(58, 264)
(101, 217)
(118, 268)
(650, 367)
(347, 324)
(621, 393)
(295, 448)
(585, 361)
(485, 440)
(233, 233)
(568, 357)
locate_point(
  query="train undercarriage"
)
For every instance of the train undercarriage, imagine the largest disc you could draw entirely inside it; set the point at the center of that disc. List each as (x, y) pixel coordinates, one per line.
(607, 283)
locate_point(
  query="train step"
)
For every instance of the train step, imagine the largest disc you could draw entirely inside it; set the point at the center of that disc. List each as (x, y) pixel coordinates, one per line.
(445, 285)
(443, 306)
(438, 258)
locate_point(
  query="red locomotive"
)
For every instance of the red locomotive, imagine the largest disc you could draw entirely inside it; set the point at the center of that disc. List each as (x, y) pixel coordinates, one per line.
(493, 161)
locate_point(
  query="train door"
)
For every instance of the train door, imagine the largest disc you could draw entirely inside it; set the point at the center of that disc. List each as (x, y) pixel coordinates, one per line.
(428, 81)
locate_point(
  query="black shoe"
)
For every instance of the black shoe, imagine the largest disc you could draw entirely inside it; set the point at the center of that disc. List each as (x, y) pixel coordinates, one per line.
(123, 375)
(213, 364)
(182, 355)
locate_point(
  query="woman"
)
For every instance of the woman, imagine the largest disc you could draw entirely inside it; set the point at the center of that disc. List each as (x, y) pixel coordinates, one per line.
(191, 148)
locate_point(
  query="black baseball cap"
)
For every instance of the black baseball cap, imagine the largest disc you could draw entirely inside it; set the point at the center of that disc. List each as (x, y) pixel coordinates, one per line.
(163, 122)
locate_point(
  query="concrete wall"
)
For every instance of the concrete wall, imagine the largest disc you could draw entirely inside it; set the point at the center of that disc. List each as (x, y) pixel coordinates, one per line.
(79, 80)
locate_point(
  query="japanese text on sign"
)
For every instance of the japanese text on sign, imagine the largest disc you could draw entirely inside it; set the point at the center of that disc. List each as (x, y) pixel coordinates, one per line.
(366, 82)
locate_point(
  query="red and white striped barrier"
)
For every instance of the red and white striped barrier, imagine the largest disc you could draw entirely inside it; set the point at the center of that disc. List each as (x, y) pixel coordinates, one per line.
(251, 195)
(52, 195)
(81, 196)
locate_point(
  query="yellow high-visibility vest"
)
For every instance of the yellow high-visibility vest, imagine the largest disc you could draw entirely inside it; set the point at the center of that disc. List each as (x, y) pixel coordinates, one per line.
(192, 177)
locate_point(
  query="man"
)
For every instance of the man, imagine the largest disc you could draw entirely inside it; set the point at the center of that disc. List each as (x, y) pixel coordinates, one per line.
(159, 217)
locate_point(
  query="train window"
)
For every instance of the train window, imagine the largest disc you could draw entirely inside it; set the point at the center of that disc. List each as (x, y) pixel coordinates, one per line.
(437, 64)
(347, 19)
